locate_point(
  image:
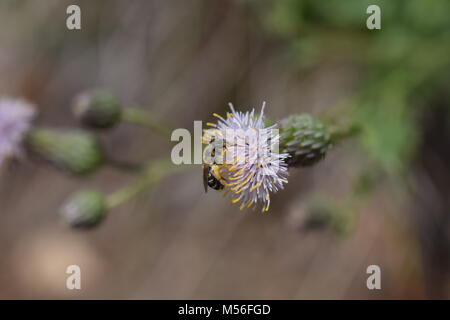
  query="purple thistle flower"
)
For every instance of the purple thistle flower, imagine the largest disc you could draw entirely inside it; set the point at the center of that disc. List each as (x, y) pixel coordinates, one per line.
(246, 153)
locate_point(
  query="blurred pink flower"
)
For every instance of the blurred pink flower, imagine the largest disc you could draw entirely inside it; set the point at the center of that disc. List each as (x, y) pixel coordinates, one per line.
(15, 120)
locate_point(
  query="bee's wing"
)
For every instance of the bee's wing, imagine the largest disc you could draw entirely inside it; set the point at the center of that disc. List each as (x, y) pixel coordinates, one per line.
(205, 177)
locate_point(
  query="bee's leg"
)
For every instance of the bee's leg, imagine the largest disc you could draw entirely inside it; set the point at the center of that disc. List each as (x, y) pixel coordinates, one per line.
(215, 170)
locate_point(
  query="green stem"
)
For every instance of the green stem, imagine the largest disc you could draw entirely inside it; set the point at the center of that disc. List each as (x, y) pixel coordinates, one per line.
(146, 120)
(150, 175)
(127, 193)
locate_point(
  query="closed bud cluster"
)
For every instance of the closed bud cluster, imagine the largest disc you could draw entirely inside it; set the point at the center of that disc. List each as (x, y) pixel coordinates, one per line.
(305, 139)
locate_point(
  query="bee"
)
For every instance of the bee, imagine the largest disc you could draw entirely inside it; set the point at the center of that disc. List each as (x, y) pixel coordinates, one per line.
(211, 172)
(211, 177)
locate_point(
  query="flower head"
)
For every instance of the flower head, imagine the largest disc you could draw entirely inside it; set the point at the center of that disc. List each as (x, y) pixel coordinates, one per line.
(15, 120)
(246, 158)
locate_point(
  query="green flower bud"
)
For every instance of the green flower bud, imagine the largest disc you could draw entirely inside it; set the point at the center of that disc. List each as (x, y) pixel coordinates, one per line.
(84, 209)
(76, 151)
(97, 109)
(304, 138)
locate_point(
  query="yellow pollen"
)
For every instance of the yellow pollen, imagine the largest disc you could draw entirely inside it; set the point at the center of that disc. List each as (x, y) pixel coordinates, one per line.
(239, 191)
(236, 200)
(256, 186)
(238, 173)
(235, 187)
(246, 180)
(266, 208)
(234, 178)
(233, 183)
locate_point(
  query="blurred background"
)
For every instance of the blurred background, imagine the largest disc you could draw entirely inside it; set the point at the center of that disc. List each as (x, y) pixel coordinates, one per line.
(380, 198)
